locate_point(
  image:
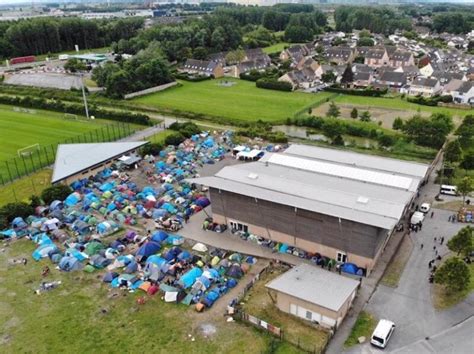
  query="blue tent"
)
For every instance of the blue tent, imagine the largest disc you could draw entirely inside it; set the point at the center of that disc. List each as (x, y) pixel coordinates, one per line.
(71, 200)
(159, 261)
(350, 268)
(132, 267)
(172, 253)
(108, 277)
(159, 213)
(159, 236)
(56, 205)
(19, 223)
(72, 252)
(148, 249)
(68, 264)
(107, 186)
(184, 256)
(188, 278)
(43, 251)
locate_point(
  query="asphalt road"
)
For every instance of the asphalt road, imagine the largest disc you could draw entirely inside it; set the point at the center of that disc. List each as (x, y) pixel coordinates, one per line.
(410, 305)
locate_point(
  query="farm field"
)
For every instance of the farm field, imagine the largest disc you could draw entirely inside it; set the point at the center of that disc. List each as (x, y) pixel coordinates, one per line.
(86, 316)
(240, 100)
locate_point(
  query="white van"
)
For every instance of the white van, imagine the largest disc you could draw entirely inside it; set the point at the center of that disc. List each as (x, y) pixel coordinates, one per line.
(449, 190)
(425, 207)
(417, 217)
(382, 333)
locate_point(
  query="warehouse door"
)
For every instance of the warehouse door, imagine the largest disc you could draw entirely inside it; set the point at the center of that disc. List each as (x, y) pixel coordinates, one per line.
(234, 225)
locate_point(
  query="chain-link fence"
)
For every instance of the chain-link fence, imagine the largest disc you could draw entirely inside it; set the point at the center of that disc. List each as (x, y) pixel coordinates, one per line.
(40, 156)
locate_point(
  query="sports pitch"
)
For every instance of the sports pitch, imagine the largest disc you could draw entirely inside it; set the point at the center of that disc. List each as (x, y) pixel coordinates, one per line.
(242, 101)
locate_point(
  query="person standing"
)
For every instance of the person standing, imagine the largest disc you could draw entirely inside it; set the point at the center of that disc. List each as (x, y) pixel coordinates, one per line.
(421, 246)
(442, 240)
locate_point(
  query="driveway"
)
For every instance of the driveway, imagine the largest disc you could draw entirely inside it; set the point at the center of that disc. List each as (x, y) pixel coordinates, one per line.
(410, 305)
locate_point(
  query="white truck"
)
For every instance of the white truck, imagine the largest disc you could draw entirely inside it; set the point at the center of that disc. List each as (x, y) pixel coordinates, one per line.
(417, 218)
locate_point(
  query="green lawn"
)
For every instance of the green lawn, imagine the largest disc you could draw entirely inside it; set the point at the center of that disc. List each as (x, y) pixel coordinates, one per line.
(276, 48)
(364, 326)
(22, 189)
(160, 137)
(82, 315)
(397, 103)
(19, 130)
(242, 101)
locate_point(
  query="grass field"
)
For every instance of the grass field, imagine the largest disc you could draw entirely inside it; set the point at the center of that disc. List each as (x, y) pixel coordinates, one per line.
(22, 189)
(364, 326)
(83, 315)
(19, 130)
(276, 48)
(397, 104)
(242, 101)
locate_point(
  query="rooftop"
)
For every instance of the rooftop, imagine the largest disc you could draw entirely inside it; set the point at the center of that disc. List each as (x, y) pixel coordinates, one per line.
(72, 159)
(350, 186)
(315, 285)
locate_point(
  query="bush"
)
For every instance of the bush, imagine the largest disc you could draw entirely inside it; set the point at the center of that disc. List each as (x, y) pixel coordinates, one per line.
(174, 139)
(12, 210)
(274, 84)
(57, 192)
(354, 92)
(152, 149)
(188, 129)
(430, 101)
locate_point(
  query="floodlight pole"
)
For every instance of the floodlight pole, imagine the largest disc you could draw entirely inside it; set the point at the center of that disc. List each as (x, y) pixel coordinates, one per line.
(84, 95)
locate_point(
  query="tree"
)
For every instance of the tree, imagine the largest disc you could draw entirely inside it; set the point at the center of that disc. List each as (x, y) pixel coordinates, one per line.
(397, 124)
(365, 116)
(200, 53)
(333, 110)
(364, 34)
(338, 140)
(453, 151)
(468, 161)
(453, 274)
(328, 76)
(174, 139)
(10, 211)
(430, 132)
(465, 187)
(332, 128)
(347, 75)
(354, 113)
(462, 242)
(74, 65)
(235, 56)
(297, 34)
(57, 192)
(365, 42)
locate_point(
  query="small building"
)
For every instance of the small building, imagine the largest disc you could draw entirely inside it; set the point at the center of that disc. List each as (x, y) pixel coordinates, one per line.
(376, 57)
(314, 294)
(304, 79)
(465, 93)
(425, 87)
(362, 79)
(203, 68)
(401, 58)
(392, 79)
(78, 161)
(339, 55)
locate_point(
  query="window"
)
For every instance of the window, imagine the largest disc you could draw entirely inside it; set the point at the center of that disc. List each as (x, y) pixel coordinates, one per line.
(238, 226)
(341, 257)
(309, 315)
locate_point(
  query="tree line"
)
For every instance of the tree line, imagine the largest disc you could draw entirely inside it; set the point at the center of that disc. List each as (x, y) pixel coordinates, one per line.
(38, 36)
(375, 19)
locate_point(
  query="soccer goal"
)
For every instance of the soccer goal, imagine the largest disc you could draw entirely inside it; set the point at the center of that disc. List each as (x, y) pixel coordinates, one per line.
(29, 150)
(70, 116)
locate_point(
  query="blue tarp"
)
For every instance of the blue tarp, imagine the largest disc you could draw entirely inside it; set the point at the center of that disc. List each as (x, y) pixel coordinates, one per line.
(43, 251)
(350, 268)
(188, 278)
(159, 236)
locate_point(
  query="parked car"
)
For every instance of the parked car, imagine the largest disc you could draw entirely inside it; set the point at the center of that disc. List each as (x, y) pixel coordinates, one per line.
(425, 207)
(382, 333)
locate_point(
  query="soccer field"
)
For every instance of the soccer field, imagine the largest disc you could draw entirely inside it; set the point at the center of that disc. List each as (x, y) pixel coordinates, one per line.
(19, 129)
(240, 100)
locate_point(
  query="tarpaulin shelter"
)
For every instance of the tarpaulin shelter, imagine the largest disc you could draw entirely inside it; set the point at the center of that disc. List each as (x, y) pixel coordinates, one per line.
(68, 264)
(350, 268)
(199, 247)
(202, 202)
(10, 233)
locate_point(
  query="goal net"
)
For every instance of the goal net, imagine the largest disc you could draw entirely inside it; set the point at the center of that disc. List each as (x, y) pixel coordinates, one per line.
(70, 116)
(29, 150)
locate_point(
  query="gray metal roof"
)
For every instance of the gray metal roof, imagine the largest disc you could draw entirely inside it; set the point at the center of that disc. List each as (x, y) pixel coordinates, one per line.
(75, 158)
(351, 192)
(315, 285)
(395, 166)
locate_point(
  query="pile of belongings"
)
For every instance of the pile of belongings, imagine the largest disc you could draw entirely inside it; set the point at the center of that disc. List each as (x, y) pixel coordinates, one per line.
(208, 224)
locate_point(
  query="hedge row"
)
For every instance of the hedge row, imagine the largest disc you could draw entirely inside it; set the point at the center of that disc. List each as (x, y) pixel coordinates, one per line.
(273, 137)
(274, 84)
(75, 108)
(366, 92)
(192, 78)
(430, 101)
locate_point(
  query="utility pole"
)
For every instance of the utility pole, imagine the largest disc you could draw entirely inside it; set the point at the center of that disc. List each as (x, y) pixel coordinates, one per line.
(84, 95)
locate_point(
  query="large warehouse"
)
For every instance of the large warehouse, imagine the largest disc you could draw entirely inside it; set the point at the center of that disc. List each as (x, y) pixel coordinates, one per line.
(341, 204)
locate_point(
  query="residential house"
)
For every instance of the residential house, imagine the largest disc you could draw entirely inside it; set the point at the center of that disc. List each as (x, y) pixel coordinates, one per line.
(307, 62)
(340, 55)
(376, 57)
(444, 76)
(390, 49)
(203, 67)
(452, 87)
(362, 79)
(410, 71)
(392, 79)
(246, 66)
(427, 70)
(295, 53)
(425, 87)
(362, 68)
(304, 78)
(423, 61)
(401, 58)
(465, 93)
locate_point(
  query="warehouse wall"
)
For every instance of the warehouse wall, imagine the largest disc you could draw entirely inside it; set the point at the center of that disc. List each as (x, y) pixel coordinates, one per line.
(303, 228)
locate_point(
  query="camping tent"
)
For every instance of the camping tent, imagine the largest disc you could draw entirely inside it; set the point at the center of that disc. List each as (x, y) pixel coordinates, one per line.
(68, 264)
(199, 247)
(148, 249)
(188, 278)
